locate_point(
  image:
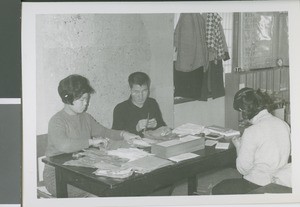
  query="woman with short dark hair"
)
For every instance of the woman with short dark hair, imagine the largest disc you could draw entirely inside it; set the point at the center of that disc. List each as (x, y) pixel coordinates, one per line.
(264, 148)
(72, 129)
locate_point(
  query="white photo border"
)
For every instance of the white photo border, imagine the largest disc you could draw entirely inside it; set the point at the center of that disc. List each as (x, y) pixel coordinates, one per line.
(29, 10)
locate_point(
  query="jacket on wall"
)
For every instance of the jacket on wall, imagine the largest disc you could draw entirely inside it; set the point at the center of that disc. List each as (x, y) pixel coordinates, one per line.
(201, 45)
(189, 39)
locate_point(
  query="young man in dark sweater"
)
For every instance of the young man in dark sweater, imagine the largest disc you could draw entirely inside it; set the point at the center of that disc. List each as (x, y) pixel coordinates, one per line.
(140, 112)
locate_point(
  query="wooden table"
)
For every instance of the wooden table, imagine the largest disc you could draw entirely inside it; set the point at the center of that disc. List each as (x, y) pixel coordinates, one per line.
(139, 184)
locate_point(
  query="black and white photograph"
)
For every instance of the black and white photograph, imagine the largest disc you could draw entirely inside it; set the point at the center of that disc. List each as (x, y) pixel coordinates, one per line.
(166, 103)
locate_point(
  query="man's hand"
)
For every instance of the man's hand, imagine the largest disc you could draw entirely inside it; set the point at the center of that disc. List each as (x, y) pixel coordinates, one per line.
(152, 123)
(161, 131)
(164, 130)
(143, 123)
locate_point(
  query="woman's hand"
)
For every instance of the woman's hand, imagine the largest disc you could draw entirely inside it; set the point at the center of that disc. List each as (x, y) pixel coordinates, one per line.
(99, 142)
(236, 142)
(129, 137)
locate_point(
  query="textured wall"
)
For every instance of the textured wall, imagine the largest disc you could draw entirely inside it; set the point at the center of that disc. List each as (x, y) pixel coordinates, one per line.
(211, 112)
(105, 48)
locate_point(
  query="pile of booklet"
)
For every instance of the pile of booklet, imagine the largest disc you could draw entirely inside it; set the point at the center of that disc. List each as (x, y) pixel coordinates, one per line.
(179, 146)
(188, 128)
(223, 131)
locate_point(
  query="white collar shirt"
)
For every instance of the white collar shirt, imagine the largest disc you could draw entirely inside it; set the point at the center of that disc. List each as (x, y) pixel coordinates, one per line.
(265, 148)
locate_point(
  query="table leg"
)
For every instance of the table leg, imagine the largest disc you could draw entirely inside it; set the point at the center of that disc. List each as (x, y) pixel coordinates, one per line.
(192, 185)
(61, 185)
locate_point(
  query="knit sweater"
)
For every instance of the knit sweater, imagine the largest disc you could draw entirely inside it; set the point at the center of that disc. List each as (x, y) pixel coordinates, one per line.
(70, 133)
(127, 115)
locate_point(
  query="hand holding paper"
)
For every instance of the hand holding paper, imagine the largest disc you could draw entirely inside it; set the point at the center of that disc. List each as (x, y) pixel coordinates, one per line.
(99, 142)
(236, 141)
(144, 124)
(129, 137)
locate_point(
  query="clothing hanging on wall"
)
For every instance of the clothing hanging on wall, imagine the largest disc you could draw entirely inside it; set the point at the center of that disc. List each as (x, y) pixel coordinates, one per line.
(213, 36)
(201, 47)
(189, 39)
(212, 81)
(192, 57)
(213, 84)
(188, 84)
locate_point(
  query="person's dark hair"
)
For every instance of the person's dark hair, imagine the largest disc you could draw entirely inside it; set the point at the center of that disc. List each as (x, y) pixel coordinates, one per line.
(73, 87)
(251, 102)
(138, 78)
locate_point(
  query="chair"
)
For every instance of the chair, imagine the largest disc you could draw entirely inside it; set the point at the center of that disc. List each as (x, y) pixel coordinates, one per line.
(40, 152)
(208, 180)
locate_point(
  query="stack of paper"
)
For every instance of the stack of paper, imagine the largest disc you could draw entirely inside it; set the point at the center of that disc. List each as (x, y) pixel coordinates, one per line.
(188, 128)
(182, 157)
(223, 131)
(178, 146)
(210, 142)
(222, 145)
(214, 136)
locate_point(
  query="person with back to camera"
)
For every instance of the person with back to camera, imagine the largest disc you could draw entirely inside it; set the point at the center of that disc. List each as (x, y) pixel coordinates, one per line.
(264, 148)
(73, 129)
(139, 112)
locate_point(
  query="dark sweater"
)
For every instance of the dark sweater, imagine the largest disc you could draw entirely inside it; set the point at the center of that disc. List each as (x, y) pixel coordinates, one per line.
(127, 115)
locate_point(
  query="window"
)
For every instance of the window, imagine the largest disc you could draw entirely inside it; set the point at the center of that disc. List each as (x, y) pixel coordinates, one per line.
(227, 24)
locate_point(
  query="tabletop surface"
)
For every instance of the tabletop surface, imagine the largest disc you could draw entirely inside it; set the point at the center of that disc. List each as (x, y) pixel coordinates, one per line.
(206, 156)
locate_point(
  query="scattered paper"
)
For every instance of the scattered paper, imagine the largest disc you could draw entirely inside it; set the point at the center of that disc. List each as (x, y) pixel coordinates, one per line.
(147, 164)
(223, 131)
(188, 138)
(91, 158)
(117, 173)
(170, 143)
(182, 157)
(222, 145)
(140, 143)
(188, 129)
(105, 166)
(206, 131)
(214, 136)
(210, 142)
(128, 153)
(150, 141)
